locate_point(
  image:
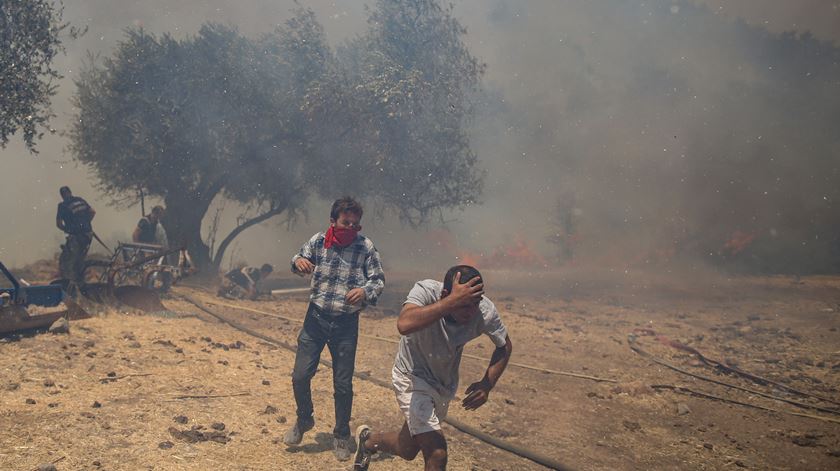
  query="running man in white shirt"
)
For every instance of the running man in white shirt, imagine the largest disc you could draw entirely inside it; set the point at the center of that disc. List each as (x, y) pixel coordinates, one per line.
(436, 321)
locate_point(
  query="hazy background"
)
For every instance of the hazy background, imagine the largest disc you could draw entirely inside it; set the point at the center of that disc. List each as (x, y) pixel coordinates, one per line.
(667, 128)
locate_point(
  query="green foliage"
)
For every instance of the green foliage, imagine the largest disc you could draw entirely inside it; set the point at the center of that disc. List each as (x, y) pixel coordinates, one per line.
(189, 118)
(29, 40)
(398, 120)
(268, 121)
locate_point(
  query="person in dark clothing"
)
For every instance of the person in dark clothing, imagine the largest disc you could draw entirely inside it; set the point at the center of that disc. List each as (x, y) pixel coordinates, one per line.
(146, 230)
(73, 217)
(242, 283)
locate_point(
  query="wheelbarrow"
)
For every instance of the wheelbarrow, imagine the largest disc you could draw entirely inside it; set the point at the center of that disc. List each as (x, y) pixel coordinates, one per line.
(135, 275)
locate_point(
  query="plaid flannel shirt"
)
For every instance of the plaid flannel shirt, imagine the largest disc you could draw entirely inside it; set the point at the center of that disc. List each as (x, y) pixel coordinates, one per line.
(339, 270)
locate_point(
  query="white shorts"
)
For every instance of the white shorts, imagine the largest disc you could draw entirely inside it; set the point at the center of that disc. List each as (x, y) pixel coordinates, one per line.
(424, 408)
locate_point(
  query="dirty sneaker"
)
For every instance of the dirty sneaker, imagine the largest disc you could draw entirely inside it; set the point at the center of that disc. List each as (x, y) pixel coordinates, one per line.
(342, 448)
(295, 434)
(362, 458)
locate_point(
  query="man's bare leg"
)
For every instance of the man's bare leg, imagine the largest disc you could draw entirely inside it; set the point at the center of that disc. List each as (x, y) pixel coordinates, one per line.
(396, 443)
(433, 446)
(402, 444)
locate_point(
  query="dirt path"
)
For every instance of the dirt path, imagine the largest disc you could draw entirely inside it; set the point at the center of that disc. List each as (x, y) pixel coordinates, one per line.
(784, 331)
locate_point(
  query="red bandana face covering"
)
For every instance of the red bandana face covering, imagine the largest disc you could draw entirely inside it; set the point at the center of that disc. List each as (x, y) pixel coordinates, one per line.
(339, 236)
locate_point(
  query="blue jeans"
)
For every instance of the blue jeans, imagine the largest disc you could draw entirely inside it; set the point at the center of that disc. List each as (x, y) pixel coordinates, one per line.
(339, 332)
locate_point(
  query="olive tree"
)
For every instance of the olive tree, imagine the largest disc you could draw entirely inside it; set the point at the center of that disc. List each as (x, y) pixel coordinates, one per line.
(267, 122)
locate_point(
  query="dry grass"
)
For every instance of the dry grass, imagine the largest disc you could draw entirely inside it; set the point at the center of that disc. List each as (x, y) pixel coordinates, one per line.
(772, 327)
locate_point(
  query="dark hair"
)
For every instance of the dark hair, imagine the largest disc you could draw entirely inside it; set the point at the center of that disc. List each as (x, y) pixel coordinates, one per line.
(157, 210)
(346, 204)
(267, 268)
(467, 273)
(64, 189)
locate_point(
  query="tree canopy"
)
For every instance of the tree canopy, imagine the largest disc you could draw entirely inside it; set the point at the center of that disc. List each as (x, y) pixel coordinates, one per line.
(401, 121)
(188, 120)
(29, 40)
(267, 122)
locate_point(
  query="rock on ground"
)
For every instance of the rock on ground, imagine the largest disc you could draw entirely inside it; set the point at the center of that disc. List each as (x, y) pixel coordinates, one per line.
(61, 326)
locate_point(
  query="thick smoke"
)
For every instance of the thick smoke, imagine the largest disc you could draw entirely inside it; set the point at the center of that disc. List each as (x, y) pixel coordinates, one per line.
(669, 132)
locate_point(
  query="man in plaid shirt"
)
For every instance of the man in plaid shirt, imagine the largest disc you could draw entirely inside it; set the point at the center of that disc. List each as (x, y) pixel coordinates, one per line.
(346, 276)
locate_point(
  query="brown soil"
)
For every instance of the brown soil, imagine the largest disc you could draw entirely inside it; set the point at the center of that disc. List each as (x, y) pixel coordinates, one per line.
(40, 271)
(180, 390)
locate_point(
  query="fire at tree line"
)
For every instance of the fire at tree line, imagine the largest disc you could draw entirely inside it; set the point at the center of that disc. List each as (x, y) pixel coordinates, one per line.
(268, 122)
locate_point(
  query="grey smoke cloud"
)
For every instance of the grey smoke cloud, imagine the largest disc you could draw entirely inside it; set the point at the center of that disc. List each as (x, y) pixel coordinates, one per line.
(676, 129)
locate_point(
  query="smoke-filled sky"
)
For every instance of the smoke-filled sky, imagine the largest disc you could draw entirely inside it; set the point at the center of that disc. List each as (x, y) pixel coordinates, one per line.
(661, 125)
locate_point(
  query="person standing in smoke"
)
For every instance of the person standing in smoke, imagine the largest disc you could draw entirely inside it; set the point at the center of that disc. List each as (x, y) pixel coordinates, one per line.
(346, 276)
(73, 217)
(436, 321)
(149, 230)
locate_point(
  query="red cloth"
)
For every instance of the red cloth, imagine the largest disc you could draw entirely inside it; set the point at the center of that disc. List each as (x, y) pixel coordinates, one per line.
(342, 237)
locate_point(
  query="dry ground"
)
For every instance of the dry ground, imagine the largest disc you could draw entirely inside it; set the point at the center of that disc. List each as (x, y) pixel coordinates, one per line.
(58, 402)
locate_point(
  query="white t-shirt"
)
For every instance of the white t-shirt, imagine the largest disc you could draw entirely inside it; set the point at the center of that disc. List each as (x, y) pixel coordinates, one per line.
(433, 354)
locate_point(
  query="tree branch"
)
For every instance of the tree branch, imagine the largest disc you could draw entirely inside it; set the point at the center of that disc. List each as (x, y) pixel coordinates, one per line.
(273, 211)
(212, 188)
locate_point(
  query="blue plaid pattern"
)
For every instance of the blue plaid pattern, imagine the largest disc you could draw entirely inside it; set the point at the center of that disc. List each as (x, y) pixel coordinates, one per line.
(339, 270)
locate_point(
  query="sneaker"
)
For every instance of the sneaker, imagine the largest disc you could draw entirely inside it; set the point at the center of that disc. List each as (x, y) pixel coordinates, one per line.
(362, 458)
(295, 434)
(342, 448)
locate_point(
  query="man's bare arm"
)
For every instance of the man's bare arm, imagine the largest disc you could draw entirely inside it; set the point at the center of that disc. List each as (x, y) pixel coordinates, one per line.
(413, 317)
(498, 362)
(59, 223)
(478, 393)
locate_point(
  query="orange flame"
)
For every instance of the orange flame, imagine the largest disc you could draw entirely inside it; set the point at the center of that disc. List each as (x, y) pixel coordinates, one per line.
(739, 241)
(518, 254)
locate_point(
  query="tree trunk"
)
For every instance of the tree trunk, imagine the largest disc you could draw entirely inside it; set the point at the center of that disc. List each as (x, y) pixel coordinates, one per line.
(183, 226)
(220, 252)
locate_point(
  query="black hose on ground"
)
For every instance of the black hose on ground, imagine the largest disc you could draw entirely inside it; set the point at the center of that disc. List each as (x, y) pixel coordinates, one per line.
(465, 355)
(538, 458)
(507, 446)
